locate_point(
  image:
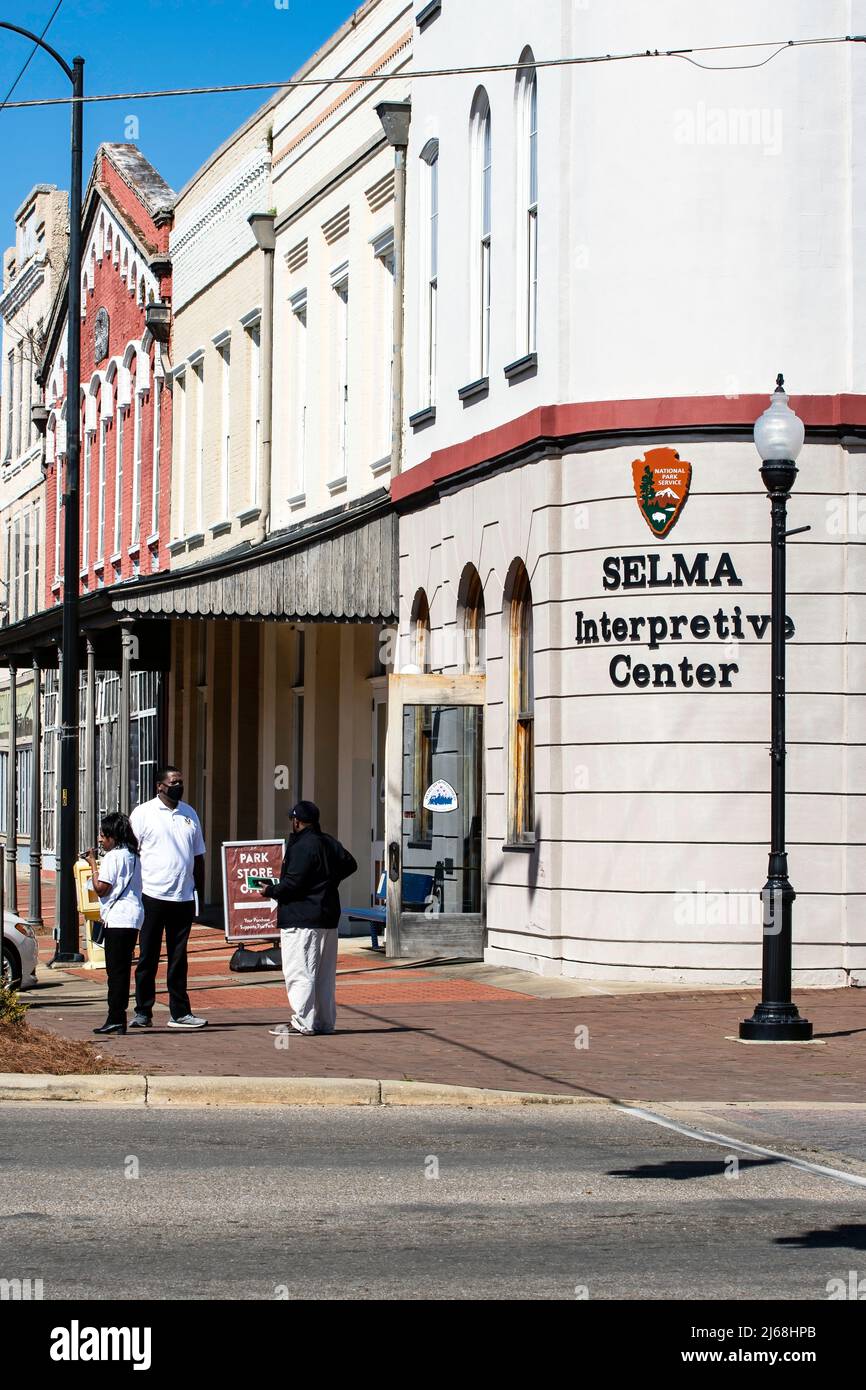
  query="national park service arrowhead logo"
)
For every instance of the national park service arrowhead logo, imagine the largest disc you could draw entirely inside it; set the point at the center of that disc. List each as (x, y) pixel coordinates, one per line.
(661, 486)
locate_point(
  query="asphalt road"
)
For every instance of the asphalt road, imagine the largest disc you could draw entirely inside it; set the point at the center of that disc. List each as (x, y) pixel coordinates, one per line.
(536, 1203)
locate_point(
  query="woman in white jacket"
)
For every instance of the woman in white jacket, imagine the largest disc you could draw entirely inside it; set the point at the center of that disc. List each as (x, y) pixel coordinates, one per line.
(117, 884)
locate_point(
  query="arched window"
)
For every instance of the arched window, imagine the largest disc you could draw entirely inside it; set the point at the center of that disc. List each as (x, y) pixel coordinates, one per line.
(521, 707)
(421, 725)
(471, 604)
(481, 222)
(430, 270)
(526, 94)
(420, 633)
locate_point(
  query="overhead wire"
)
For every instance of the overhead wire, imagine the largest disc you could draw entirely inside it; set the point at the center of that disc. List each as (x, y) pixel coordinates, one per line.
(31, 55)
(685, 54)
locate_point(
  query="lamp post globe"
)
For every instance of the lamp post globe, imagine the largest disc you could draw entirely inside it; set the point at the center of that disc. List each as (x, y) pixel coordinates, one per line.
(779, 435)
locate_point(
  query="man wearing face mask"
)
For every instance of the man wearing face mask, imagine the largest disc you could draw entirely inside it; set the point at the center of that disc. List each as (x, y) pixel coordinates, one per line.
(171, 848)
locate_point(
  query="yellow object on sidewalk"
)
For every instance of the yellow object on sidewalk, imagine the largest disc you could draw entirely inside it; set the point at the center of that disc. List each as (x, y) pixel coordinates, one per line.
(88, 906)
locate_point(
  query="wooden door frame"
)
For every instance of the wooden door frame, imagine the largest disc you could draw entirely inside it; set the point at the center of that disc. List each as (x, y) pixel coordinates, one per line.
(414, 690)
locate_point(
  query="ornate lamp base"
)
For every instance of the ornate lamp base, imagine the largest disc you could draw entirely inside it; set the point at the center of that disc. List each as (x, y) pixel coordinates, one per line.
(776, 1023)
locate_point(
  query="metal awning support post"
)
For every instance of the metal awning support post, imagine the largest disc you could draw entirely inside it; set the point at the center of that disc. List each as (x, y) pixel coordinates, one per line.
(34, 916)
(11, 865)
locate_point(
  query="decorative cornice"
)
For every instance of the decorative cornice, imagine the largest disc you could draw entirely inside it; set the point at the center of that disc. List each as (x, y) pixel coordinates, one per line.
(26, 282)
(563, 427)
(227, 191)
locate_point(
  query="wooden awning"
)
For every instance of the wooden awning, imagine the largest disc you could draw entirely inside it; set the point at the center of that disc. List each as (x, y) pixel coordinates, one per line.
(341, 568)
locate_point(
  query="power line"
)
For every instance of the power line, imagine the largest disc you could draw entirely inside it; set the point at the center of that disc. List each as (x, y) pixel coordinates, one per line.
(687, 54)
(30, 57)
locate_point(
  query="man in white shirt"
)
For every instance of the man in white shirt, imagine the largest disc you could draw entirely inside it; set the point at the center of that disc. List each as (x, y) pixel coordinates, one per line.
(172, 848)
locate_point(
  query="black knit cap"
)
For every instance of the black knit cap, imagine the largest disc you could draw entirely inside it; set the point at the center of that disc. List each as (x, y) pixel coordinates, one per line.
(306, 811)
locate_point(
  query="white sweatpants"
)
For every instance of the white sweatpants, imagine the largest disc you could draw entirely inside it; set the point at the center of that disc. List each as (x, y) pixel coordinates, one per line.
(310, 971)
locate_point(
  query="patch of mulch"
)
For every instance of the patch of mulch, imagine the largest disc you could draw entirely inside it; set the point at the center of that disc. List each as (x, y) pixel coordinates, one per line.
(27, 1049)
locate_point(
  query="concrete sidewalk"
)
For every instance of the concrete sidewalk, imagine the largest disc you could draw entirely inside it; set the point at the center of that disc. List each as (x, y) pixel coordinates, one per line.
(482, 1026)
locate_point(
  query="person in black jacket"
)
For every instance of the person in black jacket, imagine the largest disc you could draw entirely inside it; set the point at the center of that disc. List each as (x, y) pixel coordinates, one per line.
(308, 915)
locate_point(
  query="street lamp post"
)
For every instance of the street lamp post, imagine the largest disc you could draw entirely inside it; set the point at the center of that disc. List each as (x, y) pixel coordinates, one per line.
(779, 436)
(66, 930)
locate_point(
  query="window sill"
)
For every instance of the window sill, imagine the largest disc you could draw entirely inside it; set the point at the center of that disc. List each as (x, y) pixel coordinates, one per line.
(427, 15)
(133, 552)
(523, 367)
(337, 484)
(176, 546)
(427, 416)
(115, 559)
(83, 574)
(220, 528)
(380, 466)
(98, 567)
(153, 540)
(522, 847)
(56, 586)
(474, 390)
(299, 500)
(197, 538)
(248, 514)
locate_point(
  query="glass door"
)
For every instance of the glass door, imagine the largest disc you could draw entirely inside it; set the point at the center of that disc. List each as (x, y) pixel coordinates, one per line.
(435, 816)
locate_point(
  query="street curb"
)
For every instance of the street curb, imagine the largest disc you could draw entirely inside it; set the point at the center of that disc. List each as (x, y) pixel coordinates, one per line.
(431, 1093)
(260, 1090)
(180, 1091)
(119, 1088)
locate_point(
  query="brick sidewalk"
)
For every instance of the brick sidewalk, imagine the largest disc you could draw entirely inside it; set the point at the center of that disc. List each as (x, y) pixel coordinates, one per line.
(396, 1022)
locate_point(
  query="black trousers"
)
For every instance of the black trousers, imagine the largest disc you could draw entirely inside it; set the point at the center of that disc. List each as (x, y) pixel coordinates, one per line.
(175, 919)
(119, 945)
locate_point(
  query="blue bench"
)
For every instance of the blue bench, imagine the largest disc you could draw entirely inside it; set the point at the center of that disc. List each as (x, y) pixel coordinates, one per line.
(416, 890)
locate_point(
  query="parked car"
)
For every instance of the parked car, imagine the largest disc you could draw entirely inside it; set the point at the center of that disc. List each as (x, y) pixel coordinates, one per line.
(20, 953)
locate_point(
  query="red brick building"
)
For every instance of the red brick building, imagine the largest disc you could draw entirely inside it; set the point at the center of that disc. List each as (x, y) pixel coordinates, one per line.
(125, 483)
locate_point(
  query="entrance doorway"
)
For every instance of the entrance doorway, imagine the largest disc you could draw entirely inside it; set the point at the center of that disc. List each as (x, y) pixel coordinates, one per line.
(434, 821)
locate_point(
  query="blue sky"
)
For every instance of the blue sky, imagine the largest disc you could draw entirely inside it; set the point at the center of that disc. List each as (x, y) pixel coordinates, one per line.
(145, 45)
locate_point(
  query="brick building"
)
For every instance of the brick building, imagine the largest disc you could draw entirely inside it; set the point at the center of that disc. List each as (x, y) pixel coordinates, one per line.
(124, 492)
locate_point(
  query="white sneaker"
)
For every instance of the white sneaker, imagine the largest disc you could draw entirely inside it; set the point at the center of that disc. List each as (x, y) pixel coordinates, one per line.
(304, 1032)
(189, 1021)
(279, 1030)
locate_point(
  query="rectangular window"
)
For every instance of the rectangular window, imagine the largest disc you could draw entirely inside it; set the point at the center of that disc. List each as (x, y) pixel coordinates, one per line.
(135, 526)
(225, 429)
(19, 373)
(118, 476)
(433, 281)
(85, 501)
(532, 225)
(7, 595)
(255, 412)
(157, 451)
(25, 568)
(342, 329)
(299, 312)
(9, 397)
(37, 551)
(484, 365)
(58, 517)
(182, 432)
(198, 373)
(388, 267)
(100, 505)
(16, 571)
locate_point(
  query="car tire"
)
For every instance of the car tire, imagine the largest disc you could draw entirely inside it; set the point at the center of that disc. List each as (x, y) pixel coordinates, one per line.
(11, 966)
